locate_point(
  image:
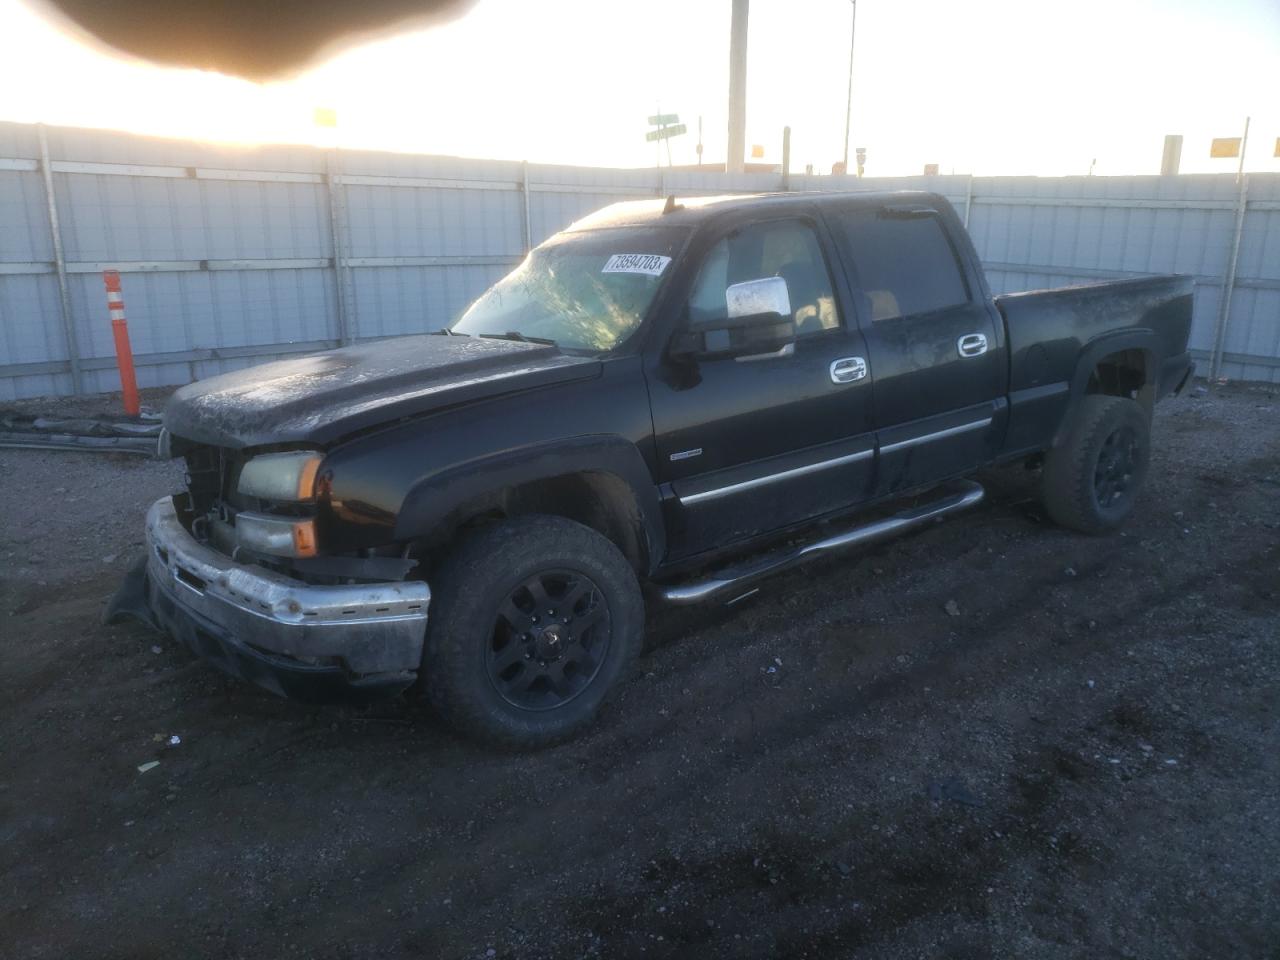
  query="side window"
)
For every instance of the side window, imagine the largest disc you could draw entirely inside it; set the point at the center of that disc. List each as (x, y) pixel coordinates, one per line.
(904, 266)
(783, 248)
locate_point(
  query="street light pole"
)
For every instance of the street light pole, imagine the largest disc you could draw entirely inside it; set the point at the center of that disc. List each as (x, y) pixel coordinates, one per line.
(848, 109)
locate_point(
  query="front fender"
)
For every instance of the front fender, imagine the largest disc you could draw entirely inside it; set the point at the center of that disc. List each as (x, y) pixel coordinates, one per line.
(437, 499)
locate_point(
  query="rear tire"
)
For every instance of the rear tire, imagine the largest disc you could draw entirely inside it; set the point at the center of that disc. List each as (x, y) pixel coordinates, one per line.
(1092, 479)
(533, 621)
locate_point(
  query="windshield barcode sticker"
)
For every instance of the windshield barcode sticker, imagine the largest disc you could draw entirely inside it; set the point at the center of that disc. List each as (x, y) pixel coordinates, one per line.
(647, 263)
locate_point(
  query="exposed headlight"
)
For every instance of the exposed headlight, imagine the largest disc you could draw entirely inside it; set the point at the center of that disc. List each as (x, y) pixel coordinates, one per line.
(277, 536)
(287, 477)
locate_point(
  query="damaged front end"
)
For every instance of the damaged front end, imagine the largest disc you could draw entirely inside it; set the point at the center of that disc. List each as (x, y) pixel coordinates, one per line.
(233, 571)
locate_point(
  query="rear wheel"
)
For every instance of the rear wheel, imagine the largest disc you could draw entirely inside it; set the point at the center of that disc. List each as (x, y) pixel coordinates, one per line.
(533, 621)
(1092, 479)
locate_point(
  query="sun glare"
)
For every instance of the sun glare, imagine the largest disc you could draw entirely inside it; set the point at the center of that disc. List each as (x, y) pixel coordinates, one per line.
(989, 87)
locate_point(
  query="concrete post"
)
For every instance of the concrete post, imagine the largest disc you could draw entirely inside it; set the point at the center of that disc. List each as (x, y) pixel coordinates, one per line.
(737, 148)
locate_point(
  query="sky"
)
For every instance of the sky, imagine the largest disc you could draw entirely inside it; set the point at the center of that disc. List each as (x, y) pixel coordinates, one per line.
(989, 87)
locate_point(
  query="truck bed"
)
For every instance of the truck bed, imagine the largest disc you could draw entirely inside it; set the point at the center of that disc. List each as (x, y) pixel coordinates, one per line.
(1037, 319)
(1057, 336)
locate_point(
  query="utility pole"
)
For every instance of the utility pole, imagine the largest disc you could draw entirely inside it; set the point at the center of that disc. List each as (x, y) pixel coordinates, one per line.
(1244, 145)
(786, 159)
(737, 88)
(848, 108)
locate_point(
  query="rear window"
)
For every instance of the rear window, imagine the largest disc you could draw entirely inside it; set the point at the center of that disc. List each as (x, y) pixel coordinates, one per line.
(905, 266)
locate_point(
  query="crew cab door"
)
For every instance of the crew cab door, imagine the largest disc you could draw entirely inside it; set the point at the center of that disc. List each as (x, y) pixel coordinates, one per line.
(756, 442)
(935, 344)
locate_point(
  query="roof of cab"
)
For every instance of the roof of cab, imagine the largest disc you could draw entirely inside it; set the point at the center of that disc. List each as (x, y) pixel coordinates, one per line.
(690, 211)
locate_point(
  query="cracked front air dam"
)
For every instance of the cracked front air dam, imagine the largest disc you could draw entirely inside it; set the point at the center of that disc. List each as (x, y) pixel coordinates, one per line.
(297, 639)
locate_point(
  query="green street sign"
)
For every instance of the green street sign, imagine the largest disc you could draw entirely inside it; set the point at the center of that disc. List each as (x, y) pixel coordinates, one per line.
(663, 119)
(665, 133)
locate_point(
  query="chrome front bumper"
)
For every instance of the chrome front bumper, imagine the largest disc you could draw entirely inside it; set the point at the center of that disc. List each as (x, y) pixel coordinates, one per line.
(245, 611)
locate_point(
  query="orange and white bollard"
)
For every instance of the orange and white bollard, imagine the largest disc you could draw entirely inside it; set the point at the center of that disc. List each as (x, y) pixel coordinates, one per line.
(120, 332)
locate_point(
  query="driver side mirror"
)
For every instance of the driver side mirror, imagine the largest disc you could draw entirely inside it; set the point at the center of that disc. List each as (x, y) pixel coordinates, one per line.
(758, 323)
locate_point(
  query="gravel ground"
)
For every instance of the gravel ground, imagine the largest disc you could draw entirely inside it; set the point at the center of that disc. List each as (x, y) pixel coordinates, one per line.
(1078, 761)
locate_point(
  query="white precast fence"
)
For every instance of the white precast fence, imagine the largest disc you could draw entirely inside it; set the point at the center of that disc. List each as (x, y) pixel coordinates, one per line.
(231, 256)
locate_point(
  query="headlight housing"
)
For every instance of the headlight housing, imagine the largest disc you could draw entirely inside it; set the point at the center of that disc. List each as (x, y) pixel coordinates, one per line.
(283, 477)
(276, 536)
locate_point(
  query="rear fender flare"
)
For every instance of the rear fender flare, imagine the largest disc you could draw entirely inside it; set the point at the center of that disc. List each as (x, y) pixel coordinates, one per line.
(1095, 351)
(435, 499)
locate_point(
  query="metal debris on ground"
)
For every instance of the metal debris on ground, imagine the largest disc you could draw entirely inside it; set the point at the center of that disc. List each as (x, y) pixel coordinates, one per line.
(63, 441)
(25, 431)
(149, 765)
(78, 426)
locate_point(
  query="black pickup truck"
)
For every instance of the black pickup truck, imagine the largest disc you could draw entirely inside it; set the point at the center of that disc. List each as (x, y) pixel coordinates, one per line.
(682, 395)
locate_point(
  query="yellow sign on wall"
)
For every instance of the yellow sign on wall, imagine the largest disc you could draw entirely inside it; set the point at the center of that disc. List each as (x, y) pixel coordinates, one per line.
(1225, 147)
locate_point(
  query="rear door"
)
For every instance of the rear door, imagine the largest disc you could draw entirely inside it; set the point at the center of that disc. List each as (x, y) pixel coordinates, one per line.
(935, 344)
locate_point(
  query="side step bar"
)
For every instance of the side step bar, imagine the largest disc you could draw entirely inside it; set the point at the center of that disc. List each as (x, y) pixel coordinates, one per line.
(733, 582)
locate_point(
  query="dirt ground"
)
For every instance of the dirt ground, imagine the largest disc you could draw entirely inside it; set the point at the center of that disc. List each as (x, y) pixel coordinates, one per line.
(1082, 762)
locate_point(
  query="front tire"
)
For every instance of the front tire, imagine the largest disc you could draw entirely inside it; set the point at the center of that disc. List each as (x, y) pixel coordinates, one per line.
(533, 621)
(1092, 479)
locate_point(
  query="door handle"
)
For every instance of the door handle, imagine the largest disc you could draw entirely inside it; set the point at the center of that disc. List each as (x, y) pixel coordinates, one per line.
(848, 369)
(972, 345)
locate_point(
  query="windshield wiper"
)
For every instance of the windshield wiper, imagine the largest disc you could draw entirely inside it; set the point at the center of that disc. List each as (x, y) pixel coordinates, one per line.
(447, 332)
(517, 335)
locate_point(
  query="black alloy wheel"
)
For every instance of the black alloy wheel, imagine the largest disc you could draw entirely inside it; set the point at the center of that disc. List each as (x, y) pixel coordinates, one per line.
(550, 638)
(1117, 462)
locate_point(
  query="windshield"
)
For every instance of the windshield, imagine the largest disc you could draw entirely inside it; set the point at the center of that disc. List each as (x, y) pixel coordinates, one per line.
(586, 291)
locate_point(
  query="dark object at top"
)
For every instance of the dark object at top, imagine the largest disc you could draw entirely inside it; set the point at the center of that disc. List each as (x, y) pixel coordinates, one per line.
(248, 38)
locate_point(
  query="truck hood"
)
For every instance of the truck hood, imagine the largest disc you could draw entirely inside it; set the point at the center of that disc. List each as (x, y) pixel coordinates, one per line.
(323, 396)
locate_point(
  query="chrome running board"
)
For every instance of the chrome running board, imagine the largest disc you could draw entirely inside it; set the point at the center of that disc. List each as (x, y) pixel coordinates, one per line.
(734, 582)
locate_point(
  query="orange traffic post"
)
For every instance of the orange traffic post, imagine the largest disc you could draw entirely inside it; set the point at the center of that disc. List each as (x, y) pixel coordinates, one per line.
(120, 332)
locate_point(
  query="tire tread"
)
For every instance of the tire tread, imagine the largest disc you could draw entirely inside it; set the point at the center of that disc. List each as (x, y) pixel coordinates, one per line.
(485, 557)
(1067, 483)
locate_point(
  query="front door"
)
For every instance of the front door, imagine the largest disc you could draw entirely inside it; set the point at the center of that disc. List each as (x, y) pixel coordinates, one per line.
(935, 348)
(751, 444)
